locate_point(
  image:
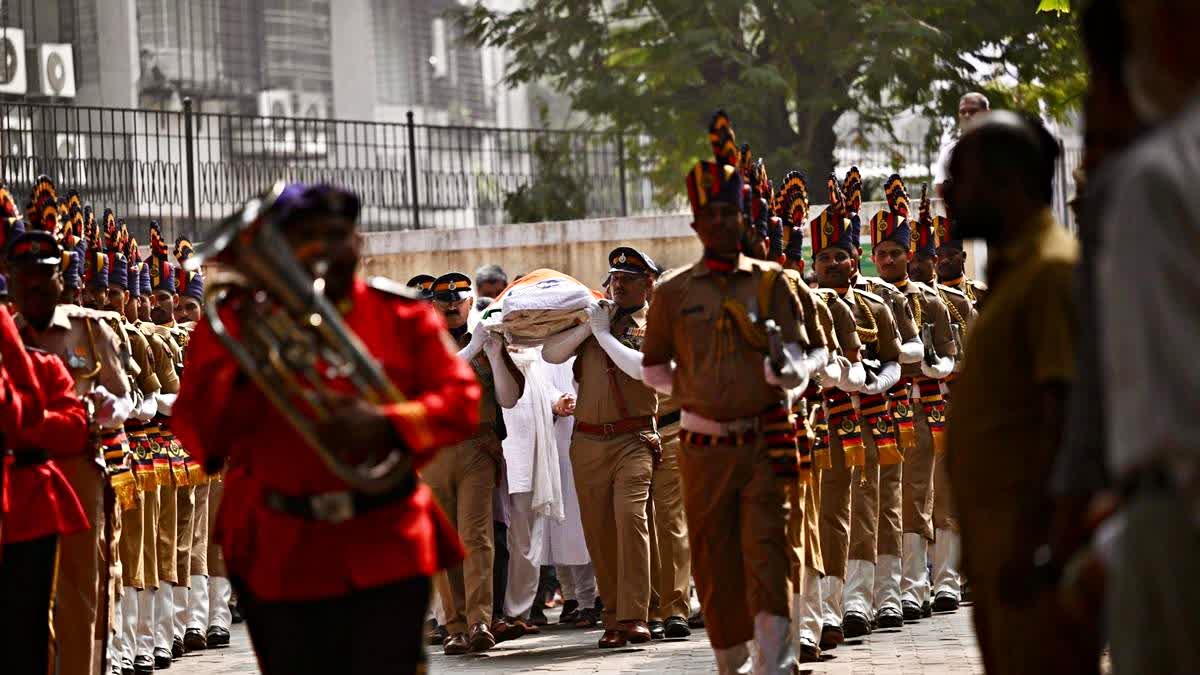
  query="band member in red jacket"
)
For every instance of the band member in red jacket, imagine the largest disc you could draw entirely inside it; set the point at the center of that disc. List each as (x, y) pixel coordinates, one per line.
(37, 504)
(344, 589)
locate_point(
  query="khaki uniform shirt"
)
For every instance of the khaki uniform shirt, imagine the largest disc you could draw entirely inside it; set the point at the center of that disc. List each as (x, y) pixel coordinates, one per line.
(875, 325)
(488, 408)
(1025, 339)
(896, 301)
(841, 314)
(83, 340)
(598, 398)
(147, 378)
(718, 374)
(165, 353)
(962, 315)
(925, 303)
(813, 329)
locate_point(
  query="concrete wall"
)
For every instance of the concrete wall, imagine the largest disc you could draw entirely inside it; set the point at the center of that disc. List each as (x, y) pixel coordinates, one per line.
(579, 248)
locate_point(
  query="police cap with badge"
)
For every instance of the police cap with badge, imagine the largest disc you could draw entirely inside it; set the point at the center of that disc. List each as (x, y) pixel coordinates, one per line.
(629, 260)
(35, 247)
(452, 287)
(423, 283)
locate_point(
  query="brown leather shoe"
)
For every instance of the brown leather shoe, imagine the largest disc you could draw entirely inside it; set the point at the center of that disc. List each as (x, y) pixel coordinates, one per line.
(456, 645)
(527, 627)
(809, 653)
(613, 638)
(506, 630)
(480, 638)
(636, 632)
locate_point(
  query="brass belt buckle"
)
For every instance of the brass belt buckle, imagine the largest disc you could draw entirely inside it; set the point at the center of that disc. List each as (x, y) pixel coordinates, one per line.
(333, 507)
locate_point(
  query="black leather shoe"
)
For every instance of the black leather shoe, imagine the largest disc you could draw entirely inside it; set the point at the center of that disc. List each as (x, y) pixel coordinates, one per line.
(143, 665)
(676, 627)
(177, 648)
(696, 620)
(926, 610)
(162, 658)
(657, 630)
(945, 603)
(437, 636)
(809, 653)
(888, 617)
(456, 645)
(217, 637)
(194, 641)
(831, 636)
(235, 613)
(570, 612)
(912, 612)
(855, 625)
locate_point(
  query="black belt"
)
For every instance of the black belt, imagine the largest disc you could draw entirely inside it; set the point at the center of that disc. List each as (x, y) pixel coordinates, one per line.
(669, 419)
(28, 456)
(337, 507)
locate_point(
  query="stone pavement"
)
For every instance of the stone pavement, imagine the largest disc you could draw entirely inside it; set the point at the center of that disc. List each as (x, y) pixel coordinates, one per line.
(943, 644)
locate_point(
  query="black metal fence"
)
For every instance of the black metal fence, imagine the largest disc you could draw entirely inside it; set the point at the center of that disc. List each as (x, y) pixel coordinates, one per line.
(187, 169)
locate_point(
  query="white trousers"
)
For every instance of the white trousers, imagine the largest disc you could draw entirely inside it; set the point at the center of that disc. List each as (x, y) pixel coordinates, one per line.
(146, 606)
(219, 592)
(947, 551)
(807, 612)
(887, 582)
(197, 605)
(832, 601)
(523, 570)
(164, 615)
(860, 587)
(121, 647)
(915, 586)
(578, 584)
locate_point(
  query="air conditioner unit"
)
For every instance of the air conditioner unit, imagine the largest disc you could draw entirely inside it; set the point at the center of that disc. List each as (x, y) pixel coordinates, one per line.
(313, 109)
(71, 153)
(56, 70)
(16, 142)
(275, 103)
(13, 78)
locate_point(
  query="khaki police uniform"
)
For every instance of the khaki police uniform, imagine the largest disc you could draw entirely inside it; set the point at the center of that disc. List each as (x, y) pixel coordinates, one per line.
(670, 556)
(963, 315)
(734, 496)
(92, 351)
(131, 548)
(462, 478)
(612, 459)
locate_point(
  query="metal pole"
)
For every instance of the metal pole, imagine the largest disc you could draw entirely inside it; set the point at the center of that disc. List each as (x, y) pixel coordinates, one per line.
(189, 141)
(621, 172)
(412, 171)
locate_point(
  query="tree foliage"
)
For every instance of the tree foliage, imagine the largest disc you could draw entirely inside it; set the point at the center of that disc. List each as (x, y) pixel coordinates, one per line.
(785, 70)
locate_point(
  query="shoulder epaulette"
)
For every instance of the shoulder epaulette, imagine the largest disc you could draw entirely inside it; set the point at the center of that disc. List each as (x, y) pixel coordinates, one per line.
(978, 285)
(952, 291)
(78, 312)
(394, 288)
(878, 282)
(871, 296)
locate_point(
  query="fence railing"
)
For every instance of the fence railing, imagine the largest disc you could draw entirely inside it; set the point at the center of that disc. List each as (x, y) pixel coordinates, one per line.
(187, 169)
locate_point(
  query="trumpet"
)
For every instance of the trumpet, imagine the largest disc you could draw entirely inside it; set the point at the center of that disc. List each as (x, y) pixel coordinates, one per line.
(293, 343)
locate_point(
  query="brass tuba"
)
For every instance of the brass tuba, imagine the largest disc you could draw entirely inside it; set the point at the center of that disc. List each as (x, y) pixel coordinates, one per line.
(293, 342)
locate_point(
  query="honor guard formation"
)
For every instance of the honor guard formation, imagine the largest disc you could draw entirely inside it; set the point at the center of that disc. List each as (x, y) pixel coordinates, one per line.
(766, 443)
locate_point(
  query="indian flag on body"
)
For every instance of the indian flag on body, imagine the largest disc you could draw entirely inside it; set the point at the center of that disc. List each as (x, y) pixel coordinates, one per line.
(538, 305)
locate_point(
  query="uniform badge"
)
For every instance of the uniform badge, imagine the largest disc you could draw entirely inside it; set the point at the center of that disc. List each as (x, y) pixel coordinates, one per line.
(453, 285)
(847, 425)
(622, 259)
(935, 415)
(902, 409)
(880, 426)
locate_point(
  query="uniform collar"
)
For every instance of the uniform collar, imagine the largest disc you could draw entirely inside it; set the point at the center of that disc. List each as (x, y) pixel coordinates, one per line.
(1024, 244)
(744, 264)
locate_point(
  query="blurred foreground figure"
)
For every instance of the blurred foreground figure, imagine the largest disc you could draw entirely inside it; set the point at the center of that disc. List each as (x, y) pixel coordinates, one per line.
(1010, 399)
(1148, 327)
(307, 547)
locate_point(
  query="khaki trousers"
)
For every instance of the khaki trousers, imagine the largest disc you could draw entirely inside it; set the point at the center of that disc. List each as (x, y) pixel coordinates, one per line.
(918, 479)
(835, 511)
(737, 513)
(612, 480)
(670, 557)
(80, 564)
(814, 559)
(216, 557)
(462, 478)
(185, 497)
(198, 555)
(944, 517)
(890, 536)
(132, 558)
(168, 527)
(150, 508)
(864, 506)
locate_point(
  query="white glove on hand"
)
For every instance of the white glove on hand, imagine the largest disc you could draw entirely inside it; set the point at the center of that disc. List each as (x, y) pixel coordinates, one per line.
(145, 411)
(854, 376)
(888, 377)
(912, 351)
(788, 379)
(939, 370)
(110, 410)
(478, 338)
(831, 374)
(599, 318)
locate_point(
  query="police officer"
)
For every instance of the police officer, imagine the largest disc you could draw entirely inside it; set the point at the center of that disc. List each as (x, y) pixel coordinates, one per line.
(902, 585)
(706, 345)
(92, 352)
(463, 476)
(615, 443)
(945, 586)
(423, 284)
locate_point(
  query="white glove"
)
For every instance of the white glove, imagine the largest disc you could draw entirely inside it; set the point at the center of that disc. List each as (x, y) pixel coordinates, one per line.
(493, 345)
(831, 373)
(166, 402)
(474, 346)
(939, 370)
(854, 376)
(888, 377)
(110, 410)
(599, 318)
(628, 360)
(788, 379)
(145, 411)
(912, 351)
(815, 359)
